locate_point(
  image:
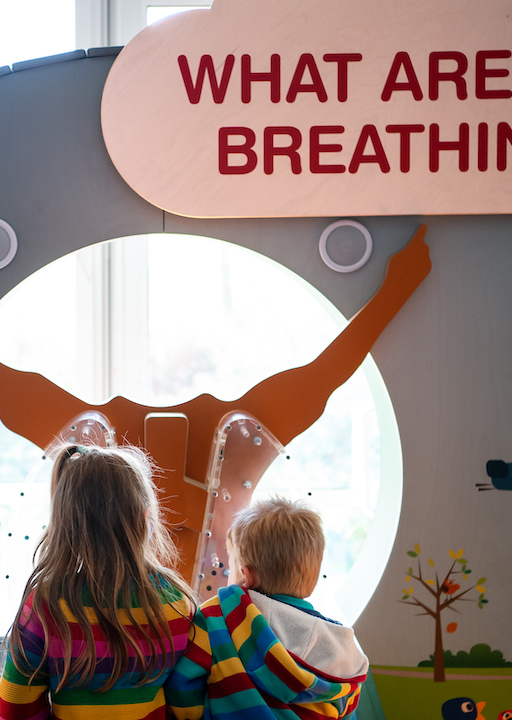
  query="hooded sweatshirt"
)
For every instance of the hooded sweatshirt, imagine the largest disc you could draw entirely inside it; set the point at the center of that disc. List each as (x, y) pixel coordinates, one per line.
(254, 657)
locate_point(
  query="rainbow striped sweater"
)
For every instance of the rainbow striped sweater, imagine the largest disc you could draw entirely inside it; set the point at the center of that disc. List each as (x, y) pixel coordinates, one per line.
(124, 701)
(258, 658)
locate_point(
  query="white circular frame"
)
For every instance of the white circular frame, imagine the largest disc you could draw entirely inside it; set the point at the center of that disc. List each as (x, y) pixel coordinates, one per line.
(322, 246)
(13, 249)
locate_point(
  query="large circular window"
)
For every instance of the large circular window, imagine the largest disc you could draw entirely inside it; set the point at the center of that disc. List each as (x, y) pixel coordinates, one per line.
(162, 319)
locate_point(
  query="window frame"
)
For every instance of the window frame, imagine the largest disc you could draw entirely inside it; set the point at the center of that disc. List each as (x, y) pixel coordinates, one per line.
(101, 23)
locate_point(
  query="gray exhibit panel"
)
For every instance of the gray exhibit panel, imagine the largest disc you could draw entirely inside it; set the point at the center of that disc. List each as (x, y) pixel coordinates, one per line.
(58, 189)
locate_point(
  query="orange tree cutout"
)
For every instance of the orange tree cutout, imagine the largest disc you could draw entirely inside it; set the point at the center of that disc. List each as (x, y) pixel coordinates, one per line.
(442, 592)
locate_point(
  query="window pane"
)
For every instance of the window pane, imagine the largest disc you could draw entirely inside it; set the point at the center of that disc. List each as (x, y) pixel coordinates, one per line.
(31, 29)
(40, 304)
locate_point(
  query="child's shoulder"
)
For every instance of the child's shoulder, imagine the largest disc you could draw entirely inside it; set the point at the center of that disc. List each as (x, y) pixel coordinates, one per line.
(167, 588)
(211, 611)
(209, 605)
(227, 599)
(225, 594)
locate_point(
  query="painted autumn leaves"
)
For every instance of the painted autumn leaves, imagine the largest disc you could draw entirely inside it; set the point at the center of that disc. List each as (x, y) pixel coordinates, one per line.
(437, 593)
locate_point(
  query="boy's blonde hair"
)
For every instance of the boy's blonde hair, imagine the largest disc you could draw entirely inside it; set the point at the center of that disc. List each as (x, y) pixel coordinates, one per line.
(282, 540)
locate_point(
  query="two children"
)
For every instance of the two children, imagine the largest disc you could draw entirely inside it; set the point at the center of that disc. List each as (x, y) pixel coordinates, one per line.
(260, 651)
(104, 623)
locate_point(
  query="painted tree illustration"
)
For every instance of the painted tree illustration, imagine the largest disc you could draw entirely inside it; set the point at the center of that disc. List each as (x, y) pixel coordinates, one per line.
(443, 591)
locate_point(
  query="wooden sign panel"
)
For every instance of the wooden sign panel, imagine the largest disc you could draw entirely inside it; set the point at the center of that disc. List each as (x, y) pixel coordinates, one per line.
(260, 108)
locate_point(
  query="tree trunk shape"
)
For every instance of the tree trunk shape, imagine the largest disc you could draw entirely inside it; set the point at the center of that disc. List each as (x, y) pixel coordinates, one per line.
(439, 674)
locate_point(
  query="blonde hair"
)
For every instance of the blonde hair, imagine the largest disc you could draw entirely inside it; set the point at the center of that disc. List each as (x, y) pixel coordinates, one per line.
(282, 540)
(100, 541)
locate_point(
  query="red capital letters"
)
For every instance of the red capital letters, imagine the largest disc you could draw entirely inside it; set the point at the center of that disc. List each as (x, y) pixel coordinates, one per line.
(270, 150)
(273, 77)
(225, 149)
(435, 76)
(296, 86)
(482, 72)
(342, 59)
(405, 142)
(402, 59)
(461, 146)
(206, 66)
(504, 136)
(369, 132)
(316, 147)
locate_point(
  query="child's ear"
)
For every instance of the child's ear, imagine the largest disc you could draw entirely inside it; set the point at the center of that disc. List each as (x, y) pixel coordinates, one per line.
(251, 577)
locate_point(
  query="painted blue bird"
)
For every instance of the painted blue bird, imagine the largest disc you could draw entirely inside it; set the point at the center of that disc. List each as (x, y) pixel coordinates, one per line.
(462, 708)
(501, 476)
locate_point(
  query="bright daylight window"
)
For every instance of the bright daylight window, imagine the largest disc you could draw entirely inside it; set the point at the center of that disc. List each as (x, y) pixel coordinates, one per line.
(31, 29)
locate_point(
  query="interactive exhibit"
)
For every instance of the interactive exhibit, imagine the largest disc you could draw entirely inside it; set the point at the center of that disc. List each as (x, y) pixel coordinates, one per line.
(276, 126)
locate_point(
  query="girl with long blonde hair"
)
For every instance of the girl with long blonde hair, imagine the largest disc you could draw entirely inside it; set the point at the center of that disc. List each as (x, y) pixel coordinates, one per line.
(104, 616)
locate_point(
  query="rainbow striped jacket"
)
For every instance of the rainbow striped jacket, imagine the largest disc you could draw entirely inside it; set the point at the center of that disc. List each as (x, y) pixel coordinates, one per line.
(241, 667)
(124, 701)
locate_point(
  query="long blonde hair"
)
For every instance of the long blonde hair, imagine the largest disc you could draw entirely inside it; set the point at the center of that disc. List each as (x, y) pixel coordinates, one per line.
(101, 546)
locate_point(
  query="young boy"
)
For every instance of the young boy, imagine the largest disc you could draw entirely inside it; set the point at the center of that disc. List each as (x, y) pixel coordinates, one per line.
(260, 651)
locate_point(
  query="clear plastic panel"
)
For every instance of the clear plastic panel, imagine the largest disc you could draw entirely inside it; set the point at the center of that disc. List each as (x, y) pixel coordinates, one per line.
(88, 428)
(242, 451)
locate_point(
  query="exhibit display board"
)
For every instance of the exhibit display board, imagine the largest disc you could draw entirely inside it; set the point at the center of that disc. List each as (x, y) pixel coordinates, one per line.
(258, 109)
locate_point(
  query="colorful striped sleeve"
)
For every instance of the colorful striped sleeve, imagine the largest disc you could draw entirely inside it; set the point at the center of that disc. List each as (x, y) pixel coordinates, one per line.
(185, 689)
(21, 699)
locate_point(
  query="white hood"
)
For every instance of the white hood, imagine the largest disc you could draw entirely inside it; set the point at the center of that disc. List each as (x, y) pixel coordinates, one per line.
(321, 644)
